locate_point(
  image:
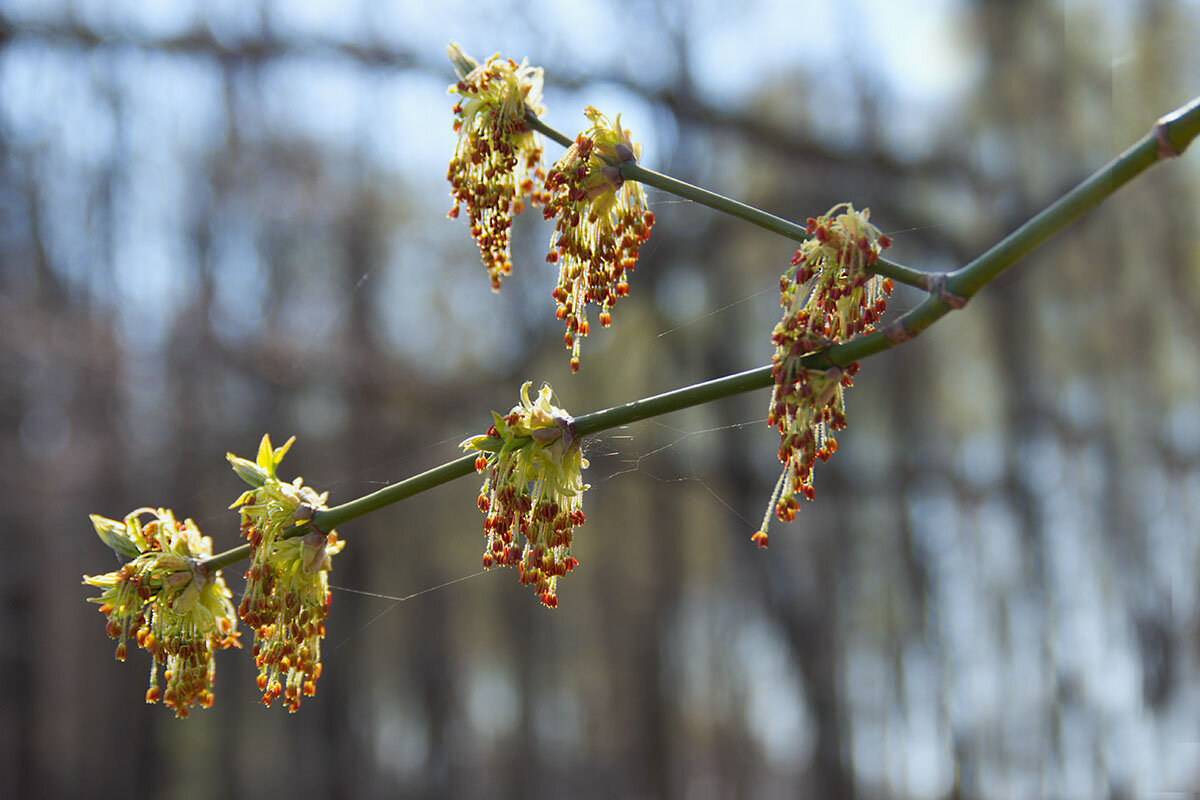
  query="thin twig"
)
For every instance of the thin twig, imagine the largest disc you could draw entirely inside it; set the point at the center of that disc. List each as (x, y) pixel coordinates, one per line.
(631, 170)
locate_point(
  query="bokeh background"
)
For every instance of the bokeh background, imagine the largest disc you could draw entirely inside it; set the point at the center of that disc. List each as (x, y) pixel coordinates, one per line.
(226, 218)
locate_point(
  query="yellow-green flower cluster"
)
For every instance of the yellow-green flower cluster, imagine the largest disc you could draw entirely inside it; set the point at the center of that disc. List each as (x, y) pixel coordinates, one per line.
(532, 495)
(602, 222)
(828, 296)
(177, 609)
(287, 594)
(498, 160)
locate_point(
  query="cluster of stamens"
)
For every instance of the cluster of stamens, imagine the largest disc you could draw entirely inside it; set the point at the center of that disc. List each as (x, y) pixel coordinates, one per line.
(497, 163)
(287, 593)
(602, 222)
(177, 609)
(828, 295)
(532, 495)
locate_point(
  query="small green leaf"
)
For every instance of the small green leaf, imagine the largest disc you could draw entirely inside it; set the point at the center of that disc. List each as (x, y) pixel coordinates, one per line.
(116, 536)
(248, 471)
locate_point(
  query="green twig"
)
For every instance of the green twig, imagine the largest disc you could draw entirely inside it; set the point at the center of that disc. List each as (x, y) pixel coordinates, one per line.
(536, 123)
(1169, 137)
(587, 424)
(631, 170)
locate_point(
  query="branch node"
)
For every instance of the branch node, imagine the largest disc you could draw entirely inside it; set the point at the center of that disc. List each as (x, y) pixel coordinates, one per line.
(304, 518)
(939, 289)
(1163, 137)
(896, 332)
(566, 424)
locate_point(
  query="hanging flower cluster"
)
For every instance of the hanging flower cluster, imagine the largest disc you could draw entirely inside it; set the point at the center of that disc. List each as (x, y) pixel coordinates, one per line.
(532, 495)
(498, 160)
(828, 296)
(602, 222)
(176, 608)
(287, 586)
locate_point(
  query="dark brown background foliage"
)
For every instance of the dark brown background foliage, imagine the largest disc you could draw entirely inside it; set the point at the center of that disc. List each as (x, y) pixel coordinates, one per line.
(225, 219)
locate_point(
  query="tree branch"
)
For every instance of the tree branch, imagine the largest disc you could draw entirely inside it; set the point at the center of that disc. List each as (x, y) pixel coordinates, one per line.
(1169, 137)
